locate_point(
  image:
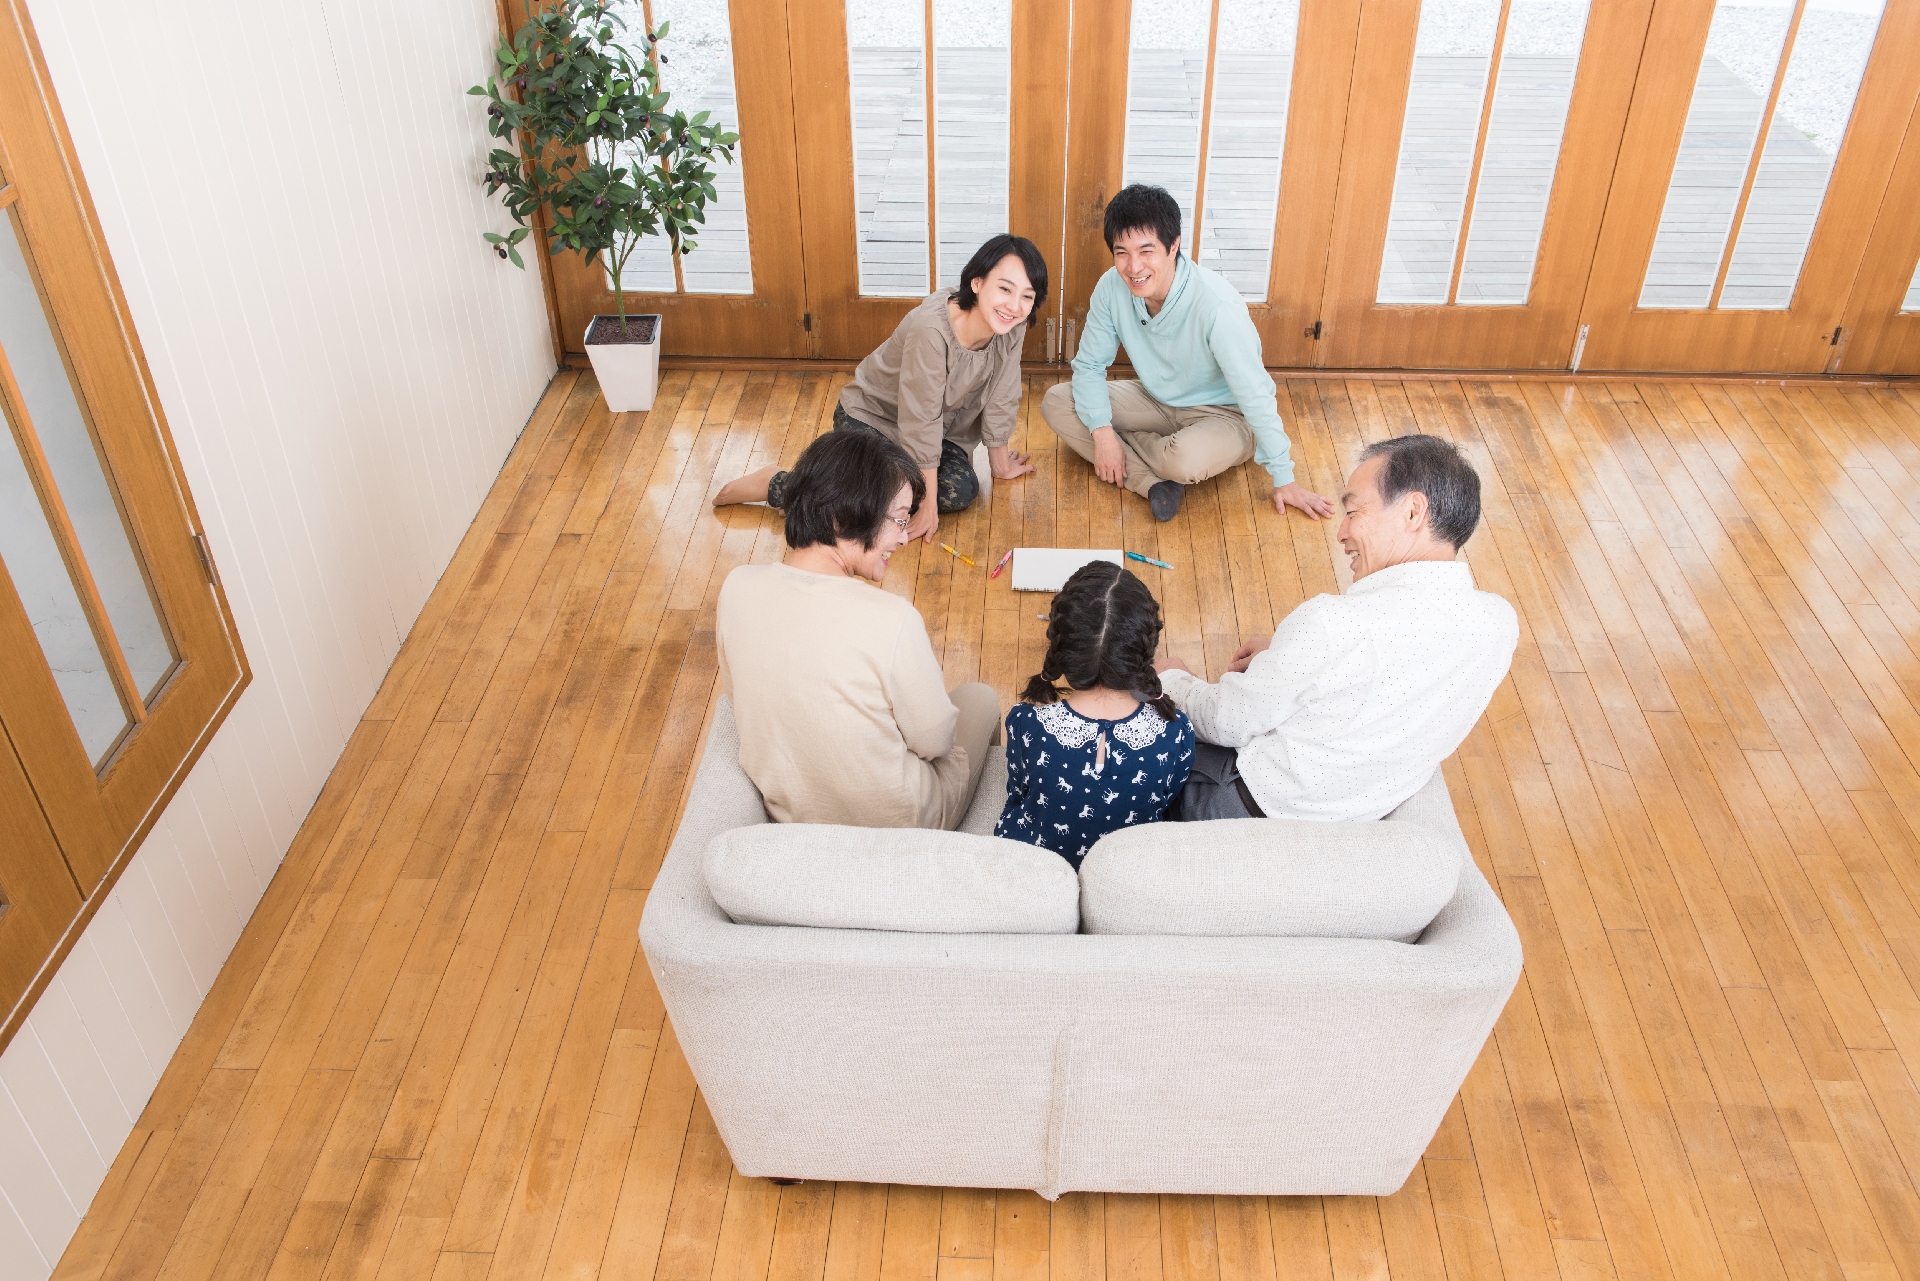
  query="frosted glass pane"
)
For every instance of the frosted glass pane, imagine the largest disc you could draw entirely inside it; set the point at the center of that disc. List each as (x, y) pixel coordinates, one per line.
(972, 75)
(1723, 120)
(1531, 93)
(1252, 81)
(697, 71)
(1448, 87)
(53, 408)
(1816, 100)
(1166, 81)
(27, 545)
(886, 66)
(52, 606)
(1912, 300)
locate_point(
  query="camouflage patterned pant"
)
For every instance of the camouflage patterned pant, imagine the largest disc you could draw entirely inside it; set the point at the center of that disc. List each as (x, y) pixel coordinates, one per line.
(958, 484)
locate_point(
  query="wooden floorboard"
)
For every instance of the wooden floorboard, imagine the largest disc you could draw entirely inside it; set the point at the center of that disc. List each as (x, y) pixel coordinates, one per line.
(437, 1050)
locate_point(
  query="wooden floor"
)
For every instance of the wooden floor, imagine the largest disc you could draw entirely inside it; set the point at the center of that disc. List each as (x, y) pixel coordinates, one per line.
(437, 1051)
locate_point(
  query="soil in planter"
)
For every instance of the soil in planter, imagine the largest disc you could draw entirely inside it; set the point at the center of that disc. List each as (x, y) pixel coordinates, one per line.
(606, 330)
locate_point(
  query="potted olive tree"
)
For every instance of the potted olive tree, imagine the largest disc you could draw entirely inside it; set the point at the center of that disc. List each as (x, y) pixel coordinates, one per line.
(589, 139)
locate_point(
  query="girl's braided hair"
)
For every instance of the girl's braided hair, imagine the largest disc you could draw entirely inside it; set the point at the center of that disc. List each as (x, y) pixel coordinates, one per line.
(1102, 630)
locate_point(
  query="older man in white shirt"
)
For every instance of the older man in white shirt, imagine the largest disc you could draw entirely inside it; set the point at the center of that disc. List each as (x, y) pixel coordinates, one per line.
(1357, 699)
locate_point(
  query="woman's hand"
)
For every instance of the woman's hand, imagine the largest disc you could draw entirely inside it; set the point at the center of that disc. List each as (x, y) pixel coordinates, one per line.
(1008, 463)
(926, 522)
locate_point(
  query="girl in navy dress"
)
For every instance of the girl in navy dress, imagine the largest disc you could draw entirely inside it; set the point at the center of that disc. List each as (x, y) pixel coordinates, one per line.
(1108, 751)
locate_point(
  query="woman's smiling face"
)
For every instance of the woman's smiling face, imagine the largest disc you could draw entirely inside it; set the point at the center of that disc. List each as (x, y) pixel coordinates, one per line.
(871, 562)
(1005, 294)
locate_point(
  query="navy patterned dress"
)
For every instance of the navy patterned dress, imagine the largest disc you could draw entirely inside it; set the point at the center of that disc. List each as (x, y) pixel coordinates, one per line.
(1072, 779)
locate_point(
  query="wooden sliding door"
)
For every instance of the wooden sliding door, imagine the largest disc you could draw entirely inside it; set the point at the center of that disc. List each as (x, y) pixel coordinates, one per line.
(1478, 150)
(1757, 161)
(923, 129)
(743, 289)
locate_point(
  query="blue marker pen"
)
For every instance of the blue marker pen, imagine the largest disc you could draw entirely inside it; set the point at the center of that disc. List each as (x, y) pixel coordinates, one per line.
(1148, 560)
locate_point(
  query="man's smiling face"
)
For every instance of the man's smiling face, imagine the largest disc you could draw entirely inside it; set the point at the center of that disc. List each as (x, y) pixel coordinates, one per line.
(1145, 264)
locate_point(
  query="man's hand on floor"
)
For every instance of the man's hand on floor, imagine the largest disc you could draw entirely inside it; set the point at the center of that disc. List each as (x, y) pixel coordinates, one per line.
(1294, 494)
(1109, 460)
(1244, 655)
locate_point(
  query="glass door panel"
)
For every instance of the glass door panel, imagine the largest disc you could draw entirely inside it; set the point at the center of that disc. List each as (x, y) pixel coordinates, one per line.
(972, 108)
(1734, 238)
(1168, 52)
(887, 82)
(1774, 190)
(1246, 140)
(52, 422)
(741, 290)
(1539, 54)
(1480, 144)
(122, 656)
(698, 72)
(44, 586)
(924, 168)
(1439, 148)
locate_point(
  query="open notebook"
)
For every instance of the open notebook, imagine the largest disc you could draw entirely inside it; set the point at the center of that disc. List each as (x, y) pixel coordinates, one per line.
(1046, 569)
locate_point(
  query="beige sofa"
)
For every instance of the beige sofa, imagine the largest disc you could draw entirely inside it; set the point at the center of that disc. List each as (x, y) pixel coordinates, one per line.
(1069, 1061)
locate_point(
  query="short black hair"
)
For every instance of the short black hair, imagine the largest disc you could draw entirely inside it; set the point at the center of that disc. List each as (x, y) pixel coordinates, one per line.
(988, 256)
(1143, 208)
(842, 487)
(1431, 466)
(1102, 630)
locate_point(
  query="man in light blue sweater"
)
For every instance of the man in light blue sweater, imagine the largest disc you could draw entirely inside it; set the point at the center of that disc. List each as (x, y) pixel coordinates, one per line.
(1203, 402)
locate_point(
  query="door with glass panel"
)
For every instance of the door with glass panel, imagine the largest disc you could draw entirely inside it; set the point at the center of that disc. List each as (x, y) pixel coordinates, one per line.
(1478, 149)
(1237, 108)
(120, 656)
(742, 290)
(924, 129)
(1760, 147)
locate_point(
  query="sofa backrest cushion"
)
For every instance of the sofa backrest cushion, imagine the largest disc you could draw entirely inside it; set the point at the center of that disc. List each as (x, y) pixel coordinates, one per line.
(1276, 877)
(909, 879)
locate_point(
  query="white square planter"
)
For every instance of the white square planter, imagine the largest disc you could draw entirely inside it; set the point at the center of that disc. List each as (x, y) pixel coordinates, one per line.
(629, 372)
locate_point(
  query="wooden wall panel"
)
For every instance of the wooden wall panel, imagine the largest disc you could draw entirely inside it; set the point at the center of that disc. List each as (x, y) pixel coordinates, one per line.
(344, 366)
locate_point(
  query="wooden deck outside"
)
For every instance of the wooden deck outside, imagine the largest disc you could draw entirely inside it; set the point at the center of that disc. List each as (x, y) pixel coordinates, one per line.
(437, 1051)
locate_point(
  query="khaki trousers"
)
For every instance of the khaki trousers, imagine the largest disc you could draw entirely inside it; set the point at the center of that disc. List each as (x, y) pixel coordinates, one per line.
(1187, 444)
(977, 729)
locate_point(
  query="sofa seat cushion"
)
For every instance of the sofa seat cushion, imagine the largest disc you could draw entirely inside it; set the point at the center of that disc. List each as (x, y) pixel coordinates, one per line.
(907, 879)
(1287, 878)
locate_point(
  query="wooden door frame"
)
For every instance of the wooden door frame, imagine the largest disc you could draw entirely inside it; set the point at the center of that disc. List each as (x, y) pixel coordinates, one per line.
(1795, 339)
(771, 320)
(1538, 334)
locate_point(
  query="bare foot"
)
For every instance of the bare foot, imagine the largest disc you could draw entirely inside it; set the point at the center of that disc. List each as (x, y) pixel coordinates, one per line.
(750, 488)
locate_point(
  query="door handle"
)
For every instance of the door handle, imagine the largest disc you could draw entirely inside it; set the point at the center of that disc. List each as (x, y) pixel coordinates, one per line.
(1053, 341)
(1073, 343)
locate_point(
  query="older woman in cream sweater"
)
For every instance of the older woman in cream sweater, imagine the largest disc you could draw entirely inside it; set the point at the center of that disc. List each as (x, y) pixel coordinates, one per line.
(844, 716)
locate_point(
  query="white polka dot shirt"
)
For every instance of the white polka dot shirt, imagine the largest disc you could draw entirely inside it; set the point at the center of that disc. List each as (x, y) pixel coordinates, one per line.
(1361, 696)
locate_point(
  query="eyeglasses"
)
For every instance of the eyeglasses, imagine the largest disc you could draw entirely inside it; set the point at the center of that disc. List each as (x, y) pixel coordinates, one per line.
(901, 521)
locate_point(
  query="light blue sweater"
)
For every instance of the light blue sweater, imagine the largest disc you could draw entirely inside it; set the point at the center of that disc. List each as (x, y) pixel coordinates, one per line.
(1202, 349)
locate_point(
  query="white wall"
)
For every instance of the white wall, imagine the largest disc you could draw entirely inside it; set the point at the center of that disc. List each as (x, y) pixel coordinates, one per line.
(289, 193)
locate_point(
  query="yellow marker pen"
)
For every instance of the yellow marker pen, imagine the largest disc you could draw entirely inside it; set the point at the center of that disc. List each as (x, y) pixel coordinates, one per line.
(957, 556)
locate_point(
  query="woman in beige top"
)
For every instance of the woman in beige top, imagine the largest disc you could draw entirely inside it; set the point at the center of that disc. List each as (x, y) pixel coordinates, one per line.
(844, 716)
(947, 379)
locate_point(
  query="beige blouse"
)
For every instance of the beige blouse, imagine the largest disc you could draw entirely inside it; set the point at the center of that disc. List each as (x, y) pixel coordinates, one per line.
(842, 708)
(922, 386)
